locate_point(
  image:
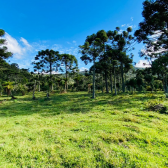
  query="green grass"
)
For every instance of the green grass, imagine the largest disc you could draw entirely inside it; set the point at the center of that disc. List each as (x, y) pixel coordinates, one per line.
(73, 130)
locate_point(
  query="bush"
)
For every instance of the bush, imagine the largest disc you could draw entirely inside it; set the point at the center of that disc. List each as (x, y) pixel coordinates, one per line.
(148, 88)
(155, 105)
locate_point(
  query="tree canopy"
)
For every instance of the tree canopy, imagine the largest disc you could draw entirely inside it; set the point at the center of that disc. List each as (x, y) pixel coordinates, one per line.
(153, 31)
(4, 54)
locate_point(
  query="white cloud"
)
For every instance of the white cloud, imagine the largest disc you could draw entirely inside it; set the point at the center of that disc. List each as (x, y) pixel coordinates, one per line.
(83, 69)
(56, 47)
(151, 52)
(37, 46)
(157, 34)
(25, 42)
(68, 42)
(13, 46)
(47, 73)
(132, 18)
(72, 51)
(143, 64)
(53, 72)
(74, 42)
(128, 25)
(68, 50)
(120, 31)
(24, 52)
(61, 52)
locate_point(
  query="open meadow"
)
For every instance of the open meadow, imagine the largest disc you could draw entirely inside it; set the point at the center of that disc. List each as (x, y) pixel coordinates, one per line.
(73, 130)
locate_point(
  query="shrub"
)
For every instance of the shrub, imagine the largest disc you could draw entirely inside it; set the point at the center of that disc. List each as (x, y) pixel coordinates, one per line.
(155, 105)
(148, 88)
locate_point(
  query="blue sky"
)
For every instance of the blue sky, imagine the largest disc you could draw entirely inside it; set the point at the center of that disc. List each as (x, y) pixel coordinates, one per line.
(63, 25)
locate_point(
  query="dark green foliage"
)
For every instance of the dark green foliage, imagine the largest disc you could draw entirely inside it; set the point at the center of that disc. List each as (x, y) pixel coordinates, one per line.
(132, 83)
(159, 67)
(121, 44)
(71, 64)
(46, 60)
(4, 54)
(153, 30)
(92, 49)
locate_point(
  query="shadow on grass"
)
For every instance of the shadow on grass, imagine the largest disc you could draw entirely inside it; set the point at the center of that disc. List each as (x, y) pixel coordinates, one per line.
(55, 105)
(70, 103)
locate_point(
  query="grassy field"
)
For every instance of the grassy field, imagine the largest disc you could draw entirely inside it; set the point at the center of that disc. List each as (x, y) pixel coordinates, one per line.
(73, 130)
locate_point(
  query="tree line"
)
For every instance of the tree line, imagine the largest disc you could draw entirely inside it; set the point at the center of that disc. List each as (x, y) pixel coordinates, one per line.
(111, 55)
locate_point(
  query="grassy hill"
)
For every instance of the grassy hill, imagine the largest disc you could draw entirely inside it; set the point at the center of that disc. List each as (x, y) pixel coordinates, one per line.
(73, 130)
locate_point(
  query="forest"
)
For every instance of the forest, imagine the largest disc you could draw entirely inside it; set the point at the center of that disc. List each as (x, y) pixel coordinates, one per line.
(112, 115)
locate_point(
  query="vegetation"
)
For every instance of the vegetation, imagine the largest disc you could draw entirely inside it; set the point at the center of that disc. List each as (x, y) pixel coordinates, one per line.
(124, 125)
(72, 130)
(4, 54)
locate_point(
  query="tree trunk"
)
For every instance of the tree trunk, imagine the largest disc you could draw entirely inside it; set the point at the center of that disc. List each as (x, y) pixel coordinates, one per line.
(111, 82)
(47, 95)
(166, 89)
(65, 87)
(125, 83)
(39, 86)
(114, 81)
(34, 89)
(8, 92)
(89, 88)
(122, 78)
(93, 79)
(66, 77)
(119, 83)
(102, 83)
(50, 70)
(38, 82)
(77, 86)
(107, 91)
(52, 87)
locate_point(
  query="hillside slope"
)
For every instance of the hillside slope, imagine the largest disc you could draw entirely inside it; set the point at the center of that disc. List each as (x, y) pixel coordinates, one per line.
(73, 130)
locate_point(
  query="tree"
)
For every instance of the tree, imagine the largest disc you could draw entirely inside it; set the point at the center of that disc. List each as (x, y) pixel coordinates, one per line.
(123, 43)
(21, 88)
(139, 78)
(99, 68)
(92, 49)
(47, 60)
(8, 87)
(153, 31)
(159, 67)
(132, 82)
(149, 78)
(113, 64)
(37, 67)
(70, 62)
(77, 79)
(4, 54)
(102, 38)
